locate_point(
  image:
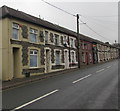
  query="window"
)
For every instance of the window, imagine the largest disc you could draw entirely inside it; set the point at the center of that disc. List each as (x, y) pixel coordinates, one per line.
(57, 58)
(83, 45)
(90, 57)
(46, 37)
(65, 40)
(83, 57)
(73, 58)
(71, 42)
(86, 46)
(56, 39)
(33, 35)
(15, 31)
(33, 58)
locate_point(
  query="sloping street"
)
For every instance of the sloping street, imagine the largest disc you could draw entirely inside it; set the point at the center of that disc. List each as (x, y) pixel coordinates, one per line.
(89, 88)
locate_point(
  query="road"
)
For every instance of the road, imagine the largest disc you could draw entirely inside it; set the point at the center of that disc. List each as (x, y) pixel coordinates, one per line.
(91, 88)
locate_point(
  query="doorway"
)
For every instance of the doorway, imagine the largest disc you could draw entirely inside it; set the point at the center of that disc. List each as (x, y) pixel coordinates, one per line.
(47, 61)
(16, 62)
(87, 58)
(66, 60)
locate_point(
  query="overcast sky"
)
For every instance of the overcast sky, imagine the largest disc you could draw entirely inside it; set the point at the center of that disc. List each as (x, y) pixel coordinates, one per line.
(100, 15)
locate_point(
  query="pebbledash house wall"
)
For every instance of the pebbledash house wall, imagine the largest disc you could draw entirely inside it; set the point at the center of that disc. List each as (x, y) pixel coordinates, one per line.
(24, 46)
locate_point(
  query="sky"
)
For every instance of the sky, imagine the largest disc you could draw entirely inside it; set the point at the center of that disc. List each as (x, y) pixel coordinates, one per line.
(100, 16)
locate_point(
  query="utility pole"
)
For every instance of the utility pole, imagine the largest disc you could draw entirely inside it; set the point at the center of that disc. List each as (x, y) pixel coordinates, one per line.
(78, 41)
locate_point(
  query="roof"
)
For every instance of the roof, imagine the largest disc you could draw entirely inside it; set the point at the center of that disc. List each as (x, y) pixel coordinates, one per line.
(12, 13)
(9, 12)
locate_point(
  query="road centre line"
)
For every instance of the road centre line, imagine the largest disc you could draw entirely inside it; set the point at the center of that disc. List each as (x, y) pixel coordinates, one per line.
(100, 70)
(35, 100)
(81, 78)
(108, 66)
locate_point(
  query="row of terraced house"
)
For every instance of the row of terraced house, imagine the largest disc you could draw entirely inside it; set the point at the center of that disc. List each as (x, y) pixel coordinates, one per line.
(34, 46)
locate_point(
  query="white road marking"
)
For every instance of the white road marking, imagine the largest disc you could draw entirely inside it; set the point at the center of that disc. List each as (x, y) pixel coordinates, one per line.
(108, 66)
(81, 78)
(100, 70)
(35, 100)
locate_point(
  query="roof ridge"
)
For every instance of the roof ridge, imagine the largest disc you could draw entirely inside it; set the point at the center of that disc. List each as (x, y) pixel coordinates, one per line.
(8, 11)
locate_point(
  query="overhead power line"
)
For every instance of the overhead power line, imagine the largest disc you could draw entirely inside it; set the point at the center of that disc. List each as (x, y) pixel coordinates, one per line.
(72, 15)
(94, 21)
(97, 32)
(94, 31)
(58, 8)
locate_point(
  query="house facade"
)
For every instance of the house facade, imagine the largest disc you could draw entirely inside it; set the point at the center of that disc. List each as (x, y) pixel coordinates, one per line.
(86, 53)
(30, 45)
(34, 48)
(106, 52)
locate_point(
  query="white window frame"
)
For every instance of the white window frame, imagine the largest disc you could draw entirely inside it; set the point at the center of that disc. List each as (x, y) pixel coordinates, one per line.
(72, 42)
(35, 32)
(65, 40)
(34, 50)
(56, 57)
(17, 28)
(73, 54)
(45, 36)
(58, 39)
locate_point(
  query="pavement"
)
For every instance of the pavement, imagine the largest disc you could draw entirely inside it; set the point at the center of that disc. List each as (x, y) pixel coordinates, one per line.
(90, 88)
(22, 81)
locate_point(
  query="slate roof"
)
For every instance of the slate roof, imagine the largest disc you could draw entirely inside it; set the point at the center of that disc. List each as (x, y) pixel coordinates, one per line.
(12, 13)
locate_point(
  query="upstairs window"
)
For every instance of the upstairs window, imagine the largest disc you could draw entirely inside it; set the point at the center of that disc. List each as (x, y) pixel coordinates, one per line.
(65, 40)
(57, 39)
(33, 58)
(33, 35)
(46, 37)
(15, 31)
(83, 45)
(71, 42)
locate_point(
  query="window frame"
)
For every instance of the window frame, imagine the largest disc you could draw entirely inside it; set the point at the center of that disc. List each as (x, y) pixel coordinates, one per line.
(46, 42)
(56, 57)
(73, 55)
(34, 50)
(17, 28)
(57, 37)
(35, 32)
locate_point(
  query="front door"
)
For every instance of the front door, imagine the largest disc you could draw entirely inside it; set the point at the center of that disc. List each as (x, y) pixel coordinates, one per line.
(16, 62)
(87, 58)
(66, 60)
(47, 61)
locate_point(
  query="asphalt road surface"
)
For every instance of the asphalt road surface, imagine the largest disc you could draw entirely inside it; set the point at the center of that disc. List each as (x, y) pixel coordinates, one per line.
(91, 88)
